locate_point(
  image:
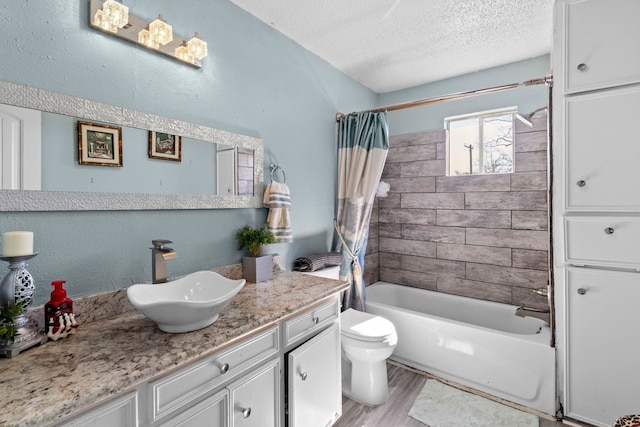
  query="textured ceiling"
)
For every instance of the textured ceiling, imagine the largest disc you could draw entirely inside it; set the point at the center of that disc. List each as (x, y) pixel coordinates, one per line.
(389, 45)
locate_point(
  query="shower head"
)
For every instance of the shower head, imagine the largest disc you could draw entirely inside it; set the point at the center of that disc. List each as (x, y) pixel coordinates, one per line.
(527, 119)
(524, 120)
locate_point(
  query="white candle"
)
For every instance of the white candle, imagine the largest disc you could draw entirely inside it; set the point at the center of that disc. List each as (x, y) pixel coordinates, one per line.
(17, 243)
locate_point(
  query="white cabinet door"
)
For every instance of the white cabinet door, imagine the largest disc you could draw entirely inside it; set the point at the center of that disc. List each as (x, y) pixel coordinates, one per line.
(121, 412)
(603, 150)
(314, 380)
(211, 412)
(603, 345)
(255, 398)
(601, 43)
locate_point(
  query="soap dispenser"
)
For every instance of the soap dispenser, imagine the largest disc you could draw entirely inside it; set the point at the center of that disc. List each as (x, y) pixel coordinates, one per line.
(58, 313)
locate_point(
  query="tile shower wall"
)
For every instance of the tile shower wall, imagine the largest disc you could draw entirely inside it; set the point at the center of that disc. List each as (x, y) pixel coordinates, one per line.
(482, 236)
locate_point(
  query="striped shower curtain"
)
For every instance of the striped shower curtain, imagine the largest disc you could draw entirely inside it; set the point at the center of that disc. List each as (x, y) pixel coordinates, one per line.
(363, 144)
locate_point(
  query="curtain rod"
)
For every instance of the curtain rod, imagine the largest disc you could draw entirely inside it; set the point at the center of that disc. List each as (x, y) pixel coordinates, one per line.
(548, 80)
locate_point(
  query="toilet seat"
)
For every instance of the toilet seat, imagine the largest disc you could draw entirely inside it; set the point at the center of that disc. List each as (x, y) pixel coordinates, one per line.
(362, 326)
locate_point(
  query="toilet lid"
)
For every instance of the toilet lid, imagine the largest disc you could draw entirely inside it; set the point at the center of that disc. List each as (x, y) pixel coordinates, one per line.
(365, 326)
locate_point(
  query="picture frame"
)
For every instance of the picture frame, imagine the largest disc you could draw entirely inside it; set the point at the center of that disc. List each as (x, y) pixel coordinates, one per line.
(165, 146)
(99, 144)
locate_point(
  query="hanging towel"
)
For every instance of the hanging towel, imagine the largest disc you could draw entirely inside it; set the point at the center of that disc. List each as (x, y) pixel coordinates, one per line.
(277, 199)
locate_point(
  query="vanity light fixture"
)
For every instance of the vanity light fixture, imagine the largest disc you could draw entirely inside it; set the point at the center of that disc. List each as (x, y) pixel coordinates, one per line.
(197, 47)
(112, 17)
(160, 31)
(182, 52)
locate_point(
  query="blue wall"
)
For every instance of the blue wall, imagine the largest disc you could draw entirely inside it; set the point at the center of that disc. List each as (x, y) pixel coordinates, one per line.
(254, 82)
(432, 116)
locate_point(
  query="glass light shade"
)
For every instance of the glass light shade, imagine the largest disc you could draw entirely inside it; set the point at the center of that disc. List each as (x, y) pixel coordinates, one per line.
(145, 38)
(160, 31)
(101, 21)
(182, 52)
(197, 47)
(116, 13)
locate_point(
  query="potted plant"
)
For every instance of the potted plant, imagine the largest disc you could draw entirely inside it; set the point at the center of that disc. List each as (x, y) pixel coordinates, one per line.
(256, 267)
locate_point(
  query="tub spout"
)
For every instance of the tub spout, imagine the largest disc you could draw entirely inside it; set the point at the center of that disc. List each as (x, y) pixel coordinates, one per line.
(528, 312)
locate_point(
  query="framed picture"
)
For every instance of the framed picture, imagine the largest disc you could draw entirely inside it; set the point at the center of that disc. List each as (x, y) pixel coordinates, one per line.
(99, 144)
(165, 146)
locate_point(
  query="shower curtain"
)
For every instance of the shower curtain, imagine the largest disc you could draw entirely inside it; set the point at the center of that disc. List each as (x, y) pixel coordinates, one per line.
(363, 144)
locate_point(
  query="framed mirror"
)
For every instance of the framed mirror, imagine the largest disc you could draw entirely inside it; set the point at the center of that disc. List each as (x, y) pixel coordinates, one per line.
(151, 174)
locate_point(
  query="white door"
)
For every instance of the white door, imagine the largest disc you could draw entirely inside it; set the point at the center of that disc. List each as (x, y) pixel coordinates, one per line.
(19, 148)
(603, 345)
(603, 153)
(314, 381)
(226, 175)
(255, 398)
(601, 43)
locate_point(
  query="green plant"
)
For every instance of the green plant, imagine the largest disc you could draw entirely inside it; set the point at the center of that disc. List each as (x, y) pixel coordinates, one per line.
(8, 316)
(253, 239)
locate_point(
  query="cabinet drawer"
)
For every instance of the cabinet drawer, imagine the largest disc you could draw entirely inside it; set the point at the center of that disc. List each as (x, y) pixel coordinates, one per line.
(602, 150)
(176, 390)
(603, 241)
(255, 398)
(311, 322)
(594, 41)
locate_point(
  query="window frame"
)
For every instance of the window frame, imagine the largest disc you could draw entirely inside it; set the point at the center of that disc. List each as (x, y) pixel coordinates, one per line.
(480, 115)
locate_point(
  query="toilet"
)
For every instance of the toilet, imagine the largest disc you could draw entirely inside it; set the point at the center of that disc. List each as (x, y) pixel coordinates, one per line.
(367, 343)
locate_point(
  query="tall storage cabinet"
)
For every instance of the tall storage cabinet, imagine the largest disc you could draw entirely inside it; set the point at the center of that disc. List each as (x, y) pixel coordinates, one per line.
(596, 105)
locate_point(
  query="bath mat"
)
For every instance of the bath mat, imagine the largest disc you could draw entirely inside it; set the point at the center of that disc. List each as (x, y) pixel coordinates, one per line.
(439, 405)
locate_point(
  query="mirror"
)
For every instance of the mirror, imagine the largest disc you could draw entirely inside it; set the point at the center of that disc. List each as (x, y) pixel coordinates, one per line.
(231, 177)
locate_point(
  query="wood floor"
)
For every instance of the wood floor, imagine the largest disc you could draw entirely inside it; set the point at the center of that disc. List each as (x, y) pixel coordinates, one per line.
(404, 387)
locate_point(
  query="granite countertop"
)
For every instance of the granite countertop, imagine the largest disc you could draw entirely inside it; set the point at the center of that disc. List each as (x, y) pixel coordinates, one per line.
(106, 357)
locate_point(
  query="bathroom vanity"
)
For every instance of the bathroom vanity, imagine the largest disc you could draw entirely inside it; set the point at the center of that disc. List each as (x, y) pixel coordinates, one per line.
(273, 353)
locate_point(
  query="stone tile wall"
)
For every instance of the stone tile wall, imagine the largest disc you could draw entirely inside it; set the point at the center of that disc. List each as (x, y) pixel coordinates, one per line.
(482, 236)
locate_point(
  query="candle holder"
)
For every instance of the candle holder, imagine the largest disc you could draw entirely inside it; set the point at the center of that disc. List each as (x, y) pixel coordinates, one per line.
(17, 288)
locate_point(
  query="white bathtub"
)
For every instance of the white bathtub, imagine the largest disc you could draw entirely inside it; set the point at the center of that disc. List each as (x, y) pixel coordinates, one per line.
(480, 344)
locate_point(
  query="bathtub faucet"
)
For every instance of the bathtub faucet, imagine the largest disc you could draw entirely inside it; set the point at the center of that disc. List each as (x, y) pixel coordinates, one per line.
(527, 312)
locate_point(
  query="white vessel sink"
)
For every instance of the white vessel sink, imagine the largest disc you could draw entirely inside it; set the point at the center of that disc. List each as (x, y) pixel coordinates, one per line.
(186, 304)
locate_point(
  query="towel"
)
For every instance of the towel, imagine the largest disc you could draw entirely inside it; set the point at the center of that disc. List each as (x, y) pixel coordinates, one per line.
(317, 261)
(277, 199)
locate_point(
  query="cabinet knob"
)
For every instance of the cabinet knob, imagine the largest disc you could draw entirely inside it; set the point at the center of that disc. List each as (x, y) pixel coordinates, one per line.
(224, 368)
(608, 230)
(581, 183)
(303, 376)
(315, 320)
(582, 67)
(582, 291)
(246, 412)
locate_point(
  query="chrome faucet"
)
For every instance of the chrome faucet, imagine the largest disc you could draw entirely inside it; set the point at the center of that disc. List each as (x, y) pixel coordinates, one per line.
(160, 254)
(527, 312)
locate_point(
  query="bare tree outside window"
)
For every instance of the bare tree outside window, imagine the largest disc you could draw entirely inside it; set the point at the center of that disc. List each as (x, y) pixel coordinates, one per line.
(481, 143)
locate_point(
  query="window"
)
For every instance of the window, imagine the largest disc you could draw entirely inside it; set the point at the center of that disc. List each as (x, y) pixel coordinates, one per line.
(480, 143)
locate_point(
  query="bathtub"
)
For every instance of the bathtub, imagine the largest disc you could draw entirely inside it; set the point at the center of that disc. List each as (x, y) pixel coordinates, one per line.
(479, 344)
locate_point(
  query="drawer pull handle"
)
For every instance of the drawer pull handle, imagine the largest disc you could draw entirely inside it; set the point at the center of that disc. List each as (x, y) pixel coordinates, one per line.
(582, 67)
(246, 412)
(224, 368)
(315, 320)
(582, 291)
(303, 376)
(608, 230)
(581, 183)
